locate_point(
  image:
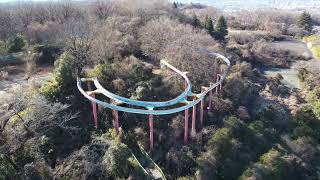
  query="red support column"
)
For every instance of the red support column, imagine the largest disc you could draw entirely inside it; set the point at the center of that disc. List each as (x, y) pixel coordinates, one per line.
(186, 122)
(201, 112)
(94, 108)
(217, 89)
(194, 115)
(210, 99)
(116, 120)
(220, 84)
(151, 131)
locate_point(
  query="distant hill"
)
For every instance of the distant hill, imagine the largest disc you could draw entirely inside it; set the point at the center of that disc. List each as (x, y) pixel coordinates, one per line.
(230, 5)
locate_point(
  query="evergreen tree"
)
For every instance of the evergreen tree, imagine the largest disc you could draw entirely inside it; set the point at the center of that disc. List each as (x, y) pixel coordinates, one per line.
(15, 43)
(175, 5)
(195, 21)
(221, 28)
(305, 21)
(208, 25)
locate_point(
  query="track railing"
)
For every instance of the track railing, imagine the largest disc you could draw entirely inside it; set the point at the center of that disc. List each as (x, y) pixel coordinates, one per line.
(150, 107)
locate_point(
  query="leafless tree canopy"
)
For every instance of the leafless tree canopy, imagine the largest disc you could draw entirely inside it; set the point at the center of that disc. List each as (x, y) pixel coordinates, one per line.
(257, 128)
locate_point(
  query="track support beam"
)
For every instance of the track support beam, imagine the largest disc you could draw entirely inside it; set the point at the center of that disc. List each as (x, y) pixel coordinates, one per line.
(186, 123)
(210, 99)
(151, 131)
(116, 120)
(94, 108)
(201, 112)
(217, 88)
(221, 84)
(194, 116)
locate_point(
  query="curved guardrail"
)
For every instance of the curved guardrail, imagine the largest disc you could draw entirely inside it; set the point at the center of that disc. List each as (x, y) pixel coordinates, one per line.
(149, 107)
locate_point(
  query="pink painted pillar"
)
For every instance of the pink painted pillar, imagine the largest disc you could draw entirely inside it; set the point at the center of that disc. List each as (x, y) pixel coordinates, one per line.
(217, 89)
(116, 120)
(221, 83)
(210, 99)
(186, 121)
(194, 114)
(201, 112)
(94, 108)
(151, 131)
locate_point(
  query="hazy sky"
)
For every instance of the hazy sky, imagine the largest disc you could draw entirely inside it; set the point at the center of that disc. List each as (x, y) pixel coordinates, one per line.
(14, 0)
(1, 1)
(183, 1)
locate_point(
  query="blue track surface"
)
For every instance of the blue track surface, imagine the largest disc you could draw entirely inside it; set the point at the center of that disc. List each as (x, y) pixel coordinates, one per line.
(149, 107)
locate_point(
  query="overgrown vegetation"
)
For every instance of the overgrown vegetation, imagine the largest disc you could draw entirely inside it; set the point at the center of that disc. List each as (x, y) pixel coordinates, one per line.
(257, 128)
(316, 51)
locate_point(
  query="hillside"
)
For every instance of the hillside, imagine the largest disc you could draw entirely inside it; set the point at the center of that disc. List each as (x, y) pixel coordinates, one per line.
(150, 89)
(231, 5)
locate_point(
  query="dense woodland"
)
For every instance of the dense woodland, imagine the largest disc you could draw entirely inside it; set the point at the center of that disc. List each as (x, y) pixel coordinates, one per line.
(258, 128)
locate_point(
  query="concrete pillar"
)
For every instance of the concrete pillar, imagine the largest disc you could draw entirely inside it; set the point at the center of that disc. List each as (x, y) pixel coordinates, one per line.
(94, 107)
(186, 122)
(194, 115)
(217, 88)
(210, 99)
(221, 83)
(151, 131)
(116, 120)
(201, 112)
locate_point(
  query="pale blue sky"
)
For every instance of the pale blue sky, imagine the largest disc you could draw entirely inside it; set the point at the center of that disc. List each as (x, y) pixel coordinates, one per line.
(184, 1)
(1, 1)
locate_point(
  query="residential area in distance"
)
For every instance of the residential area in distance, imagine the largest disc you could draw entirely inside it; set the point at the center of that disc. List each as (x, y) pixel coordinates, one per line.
(157, 89)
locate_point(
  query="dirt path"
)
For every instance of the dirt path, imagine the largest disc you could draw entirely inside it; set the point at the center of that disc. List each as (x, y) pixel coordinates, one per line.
(17, 77)
(290, 75)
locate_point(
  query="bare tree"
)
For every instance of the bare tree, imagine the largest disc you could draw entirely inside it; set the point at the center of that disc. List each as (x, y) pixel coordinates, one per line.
(24, 14)
(116, 38)
(157, 34)
(78, 36)
(47, 32)
(103, 8)
(7, 24)
(190, 53)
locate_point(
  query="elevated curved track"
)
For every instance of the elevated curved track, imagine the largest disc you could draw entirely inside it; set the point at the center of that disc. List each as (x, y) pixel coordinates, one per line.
(180, 103)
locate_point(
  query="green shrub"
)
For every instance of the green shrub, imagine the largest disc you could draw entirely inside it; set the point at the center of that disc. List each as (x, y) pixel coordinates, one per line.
(257, 127)
(7, 171)
(221, 140)
(51, 91)
(15, 43)
(303, 74)
(314, 99)
(143, 91)
(311, 38)
(270, 166)
(307, 124)
(314, 96)
(67, 70)
(185, 178)
(141, 72)
(316, 109)
(104, 72)
(3, 48)
(316, 51)
(116, 160)
(65, 77)
(137, 171)
(49, 53)
(270, 158)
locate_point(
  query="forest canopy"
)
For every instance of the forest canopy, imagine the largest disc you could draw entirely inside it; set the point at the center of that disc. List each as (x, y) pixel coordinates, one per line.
(257, 127)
